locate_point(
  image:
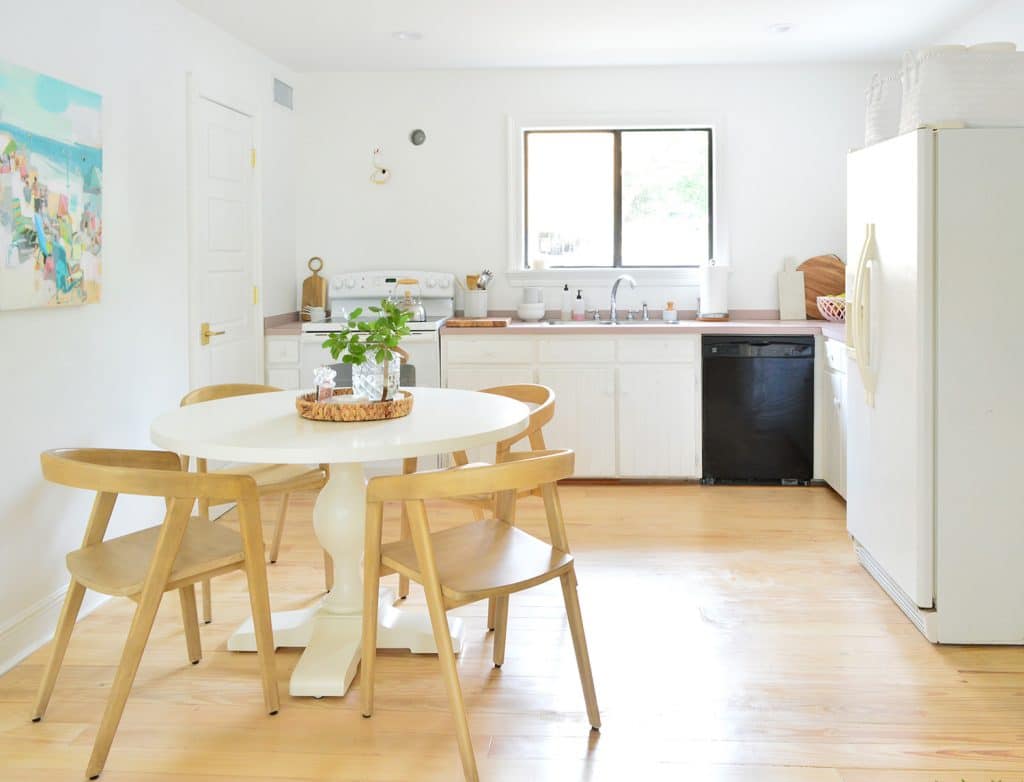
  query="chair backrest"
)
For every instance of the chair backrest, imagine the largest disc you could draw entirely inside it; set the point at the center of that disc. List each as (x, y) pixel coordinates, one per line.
(343, 375)
(146, 473)
(526, 470)
(110, 472)
(224, 390)
(532, 394)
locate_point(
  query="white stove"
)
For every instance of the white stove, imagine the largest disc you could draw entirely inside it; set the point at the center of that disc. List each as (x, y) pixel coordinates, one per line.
(346, 292)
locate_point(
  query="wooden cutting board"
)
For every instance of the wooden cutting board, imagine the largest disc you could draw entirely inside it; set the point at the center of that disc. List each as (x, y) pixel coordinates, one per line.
(824, 275)
(479, 323)
(314, 288)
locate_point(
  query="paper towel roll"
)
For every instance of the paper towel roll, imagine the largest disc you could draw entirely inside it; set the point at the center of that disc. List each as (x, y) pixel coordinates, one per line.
(714, 290)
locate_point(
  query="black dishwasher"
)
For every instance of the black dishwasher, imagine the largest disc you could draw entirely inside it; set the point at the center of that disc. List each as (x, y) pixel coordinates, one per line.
(758, 409)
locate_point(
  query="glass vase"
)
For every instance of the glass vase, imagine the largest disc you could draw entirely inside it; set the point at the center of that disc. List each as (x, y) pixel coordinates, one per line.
(377, 382)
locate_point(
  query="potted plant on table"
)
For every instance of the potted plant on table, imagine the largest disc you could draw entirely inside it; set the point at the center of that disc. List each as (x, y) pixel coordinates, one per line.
(371, 346)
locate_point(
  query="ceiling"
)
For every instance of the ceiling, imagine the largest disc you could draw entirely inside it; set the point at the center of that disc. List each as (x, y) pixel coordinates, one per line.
(334, 35)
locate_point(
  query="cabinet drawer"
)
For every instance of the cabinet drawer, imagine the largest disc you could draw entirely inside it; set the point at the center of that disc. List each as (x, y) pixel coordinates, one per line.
(283, 378)
(579, 351)
(658, 350)
(283, 351)
(835, 355)
(507, 350)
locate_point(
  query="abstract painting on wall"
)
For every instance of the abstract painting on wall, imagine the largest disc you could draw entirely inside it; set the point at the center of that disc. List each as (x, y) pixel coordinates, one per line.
(51, 191)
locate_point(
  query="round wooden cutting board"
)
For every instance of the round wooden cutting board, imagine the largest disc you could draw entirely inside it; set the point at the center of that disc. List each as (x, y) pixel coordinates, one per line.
(824, 275)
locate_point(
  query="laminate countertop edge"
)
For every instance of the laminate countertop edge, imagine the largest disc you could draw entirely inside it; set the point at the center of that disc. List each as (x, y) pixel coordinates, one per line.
(835, 331)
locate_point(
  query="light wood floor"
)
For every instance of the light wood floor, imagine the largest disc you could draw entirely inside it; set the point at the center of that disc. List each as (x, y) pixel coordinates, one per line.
(732, 633)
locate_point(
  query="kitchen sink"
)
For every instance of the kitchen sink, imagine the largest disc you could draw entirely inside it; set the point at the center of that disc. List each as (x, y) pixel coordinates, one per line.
(605, 323)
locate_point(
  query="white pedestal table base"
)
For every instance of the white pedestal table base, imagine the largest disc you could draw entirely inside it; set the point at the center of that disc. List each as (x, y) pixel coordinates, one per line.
(331, 632)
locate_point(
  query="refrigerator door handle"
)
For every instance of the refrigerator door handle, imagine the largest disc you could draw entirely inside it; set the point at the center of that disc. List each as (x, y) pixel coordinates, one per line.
(860, 309)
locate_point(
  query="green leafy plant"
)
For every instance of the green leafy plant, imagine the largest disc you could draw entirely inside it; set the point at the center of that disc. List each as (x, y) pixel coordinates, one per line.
(378, 339)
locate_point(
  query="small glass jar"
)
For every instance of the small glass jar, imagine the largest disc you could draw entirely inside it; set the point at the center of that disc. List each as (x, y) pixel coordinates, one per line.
(377, 382)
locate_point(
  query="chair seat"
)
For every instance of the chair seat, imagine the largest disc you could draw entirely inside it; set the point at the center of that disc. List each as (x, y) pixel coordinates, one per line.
(277, 478)
(118, 566)
(482, 559)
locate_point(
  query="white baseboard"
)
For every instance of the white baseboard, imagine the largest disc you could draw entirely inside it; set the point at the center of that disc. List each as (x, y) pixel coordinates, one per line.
(34, 626)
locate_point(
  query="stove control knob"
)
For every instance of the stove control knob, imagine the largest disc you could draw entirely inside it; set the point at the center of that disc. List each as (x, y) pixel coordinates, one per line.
(431, 282)
(378, 281)
(445, 282)
(350, 282)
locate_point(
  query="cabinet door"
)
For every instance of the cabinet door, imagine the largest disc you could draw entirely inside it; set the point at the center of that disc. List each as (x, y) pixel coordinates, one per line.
(584, 416)
(658, 421)
(832, 467)
(841, 424)
(476, 378)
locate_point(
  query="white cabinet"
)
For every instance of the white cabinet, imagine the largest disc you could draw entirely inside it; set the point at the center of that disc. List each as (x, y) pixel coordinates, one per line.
(657, 421)
(833, 382)
(584, 415)
(281, 364)
(476, 377)
(628, 405)
(658, 431)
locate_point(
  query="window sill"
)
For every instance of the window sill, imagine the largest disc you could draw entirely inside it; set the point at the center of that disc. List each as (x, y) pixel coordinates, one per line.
(688, 276)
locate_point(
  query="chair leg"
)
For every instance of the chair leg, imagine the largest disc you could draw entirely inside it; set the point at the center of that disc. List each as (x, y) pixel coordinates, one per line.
(142, 624)
(371, 593)
(259, 601)
(204, 513)
(579, 642)
(408, 467)
(328, 571)
(207, 603)
(403, 581)
(500, 628)
(446, 656)
(275, 545)
(492, 613)
(190, 620)
(66, 624)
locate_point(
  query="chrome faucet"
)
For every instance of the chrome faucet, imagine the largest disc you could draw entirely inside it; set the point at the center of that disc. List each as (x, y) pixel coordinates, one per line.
(612, 315)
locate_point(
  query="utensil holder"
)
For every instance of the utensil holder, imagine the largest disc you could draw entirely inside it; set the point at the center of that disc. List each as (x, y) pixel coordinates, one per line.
(474, 304)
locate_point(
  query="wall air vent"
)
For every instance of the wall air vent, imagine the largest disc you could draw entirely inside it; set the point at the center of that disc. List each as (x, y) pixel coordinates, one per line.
(283, 94)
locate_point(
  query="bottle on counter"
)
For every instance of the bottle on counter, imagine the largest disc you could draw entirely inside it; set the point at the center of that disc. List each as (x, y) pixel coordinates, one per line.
(579, 307)
(566, 303)
(669, 314)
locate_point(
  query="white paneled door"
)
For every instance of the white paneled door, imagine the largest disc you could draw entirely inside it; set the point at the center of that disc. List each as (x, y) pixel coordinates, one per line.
(224, 330)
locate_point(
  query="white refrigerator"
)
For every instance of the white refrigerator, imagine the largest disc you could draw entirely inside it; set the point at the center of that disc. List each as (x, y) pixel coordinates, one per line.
(935, 329)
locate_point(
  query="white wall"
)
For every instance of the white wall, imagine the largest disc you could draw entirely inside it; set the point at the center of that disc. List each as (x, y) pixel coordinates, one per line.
(1000, 21)
(784, 134)
(98, 375)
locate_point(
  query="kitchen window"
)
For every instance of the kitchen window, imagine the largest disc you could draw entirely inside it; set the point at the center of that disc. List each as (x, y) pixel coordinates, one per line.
(600, 198)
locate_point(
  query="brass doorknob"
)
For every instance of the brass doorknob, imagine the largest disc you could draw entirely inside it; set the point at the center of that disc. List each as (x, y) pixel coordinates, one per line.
(205, 334)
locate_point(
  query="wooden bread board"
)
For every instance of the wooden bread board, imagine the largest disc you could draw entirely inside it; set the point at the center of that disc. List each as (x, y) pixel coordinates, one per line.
(824, 275)
(478, 323)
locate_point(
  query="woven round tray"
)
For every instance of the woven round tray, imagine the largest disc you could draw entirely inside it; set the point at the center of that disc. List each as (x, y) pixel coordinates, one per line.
(309, 408)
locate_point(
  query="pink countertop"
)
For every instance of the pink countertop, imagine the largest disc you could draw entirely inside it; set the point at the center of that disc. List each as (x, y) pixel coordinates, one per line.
(286, 325)
(832, 330)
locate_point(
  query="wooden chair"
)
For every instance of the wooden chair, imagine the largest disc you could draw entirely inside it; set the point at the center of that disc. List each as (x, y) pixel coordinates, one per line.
(543, 399)
(145, 564)
(483, 559)
(270, 479)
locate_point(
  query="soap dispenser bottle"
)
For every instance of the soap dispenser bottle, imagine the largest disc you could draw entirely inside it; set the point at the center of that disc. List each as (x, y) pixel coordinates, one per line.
(566, 303)
(578, 307)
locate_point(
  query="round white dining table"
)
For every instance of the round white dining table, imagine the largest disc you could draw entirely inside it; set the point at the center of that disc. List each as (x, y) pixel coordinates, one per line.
(266, 429)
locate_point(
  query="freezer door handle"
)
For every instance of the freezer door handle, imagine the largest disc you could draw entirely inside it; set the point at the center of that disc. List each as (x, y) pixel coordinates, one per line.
(860, 314)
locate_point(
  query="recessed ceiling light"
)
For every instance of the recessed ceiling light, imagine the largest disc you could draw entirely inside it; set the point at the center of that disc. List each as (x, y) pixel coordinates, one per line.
(781, 28)
(407, 35)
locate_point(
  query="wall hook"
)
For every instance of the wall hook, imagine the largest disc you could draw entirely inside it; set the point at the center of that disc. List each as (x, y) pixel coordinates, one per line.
(381, 174)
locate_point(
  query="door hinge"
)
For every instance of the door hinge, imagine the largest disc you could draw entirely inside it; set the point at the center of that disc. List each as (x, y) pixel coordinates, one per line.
(252, 157)
(255, 294)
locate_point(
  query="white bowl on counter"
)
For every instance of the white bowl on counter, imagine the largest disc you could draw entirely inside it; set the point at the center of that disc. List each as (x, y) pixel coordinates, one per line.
(531, 311)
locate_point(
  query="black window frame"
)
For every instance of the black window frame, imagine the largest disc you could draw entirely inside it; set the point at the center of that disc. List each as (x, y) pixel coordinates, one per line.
(617, 192)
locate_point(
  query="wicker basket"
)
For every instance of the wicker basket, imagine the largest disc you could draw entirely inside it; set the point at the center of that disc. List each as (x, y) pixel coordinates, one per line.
(832, 308)
(309, 408)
